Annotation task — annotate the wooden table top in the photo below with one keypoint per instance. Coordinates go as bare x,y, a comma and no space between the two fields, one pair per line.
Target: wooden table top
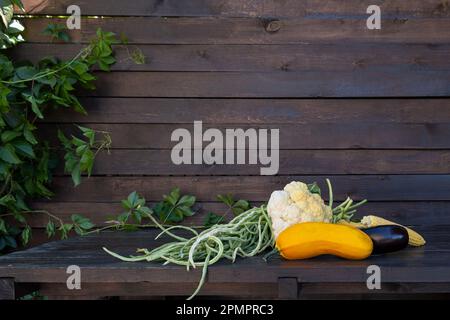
47,263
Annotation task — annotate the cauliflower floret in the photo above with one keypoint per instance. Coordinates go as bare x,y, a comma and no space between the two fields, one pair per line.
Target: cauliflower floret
279,225
292,213
279,200
298,191
296,204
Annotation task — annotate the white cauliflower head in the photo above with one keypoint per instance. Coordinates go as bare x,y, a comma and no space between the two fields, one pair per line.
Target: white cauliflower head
296,204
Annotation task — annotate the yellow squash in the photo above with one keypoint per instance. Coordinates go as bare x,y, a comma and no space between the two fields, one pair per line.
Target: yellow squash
311,239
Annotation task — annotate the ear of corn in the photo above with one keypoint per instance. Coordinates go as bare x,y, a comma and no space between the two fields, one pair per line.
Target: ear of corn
415,239
358,225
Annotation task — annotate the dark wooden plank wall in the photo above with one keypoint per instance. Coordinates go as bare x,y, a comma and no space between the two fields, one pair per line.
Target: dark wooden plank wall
369,109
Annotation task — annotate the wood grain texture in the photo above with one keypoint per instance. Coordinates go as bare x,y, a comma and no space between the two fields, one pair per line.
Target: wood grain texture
213,30
256,188
7,291
416,213
259,58
354,135
248,8
398,112
332,162
362,83
315,291
144,290
288,288
47,263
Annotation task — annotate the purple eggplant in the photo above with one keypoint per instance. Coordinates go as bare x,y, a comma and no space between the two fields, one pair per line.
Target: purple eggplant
387,238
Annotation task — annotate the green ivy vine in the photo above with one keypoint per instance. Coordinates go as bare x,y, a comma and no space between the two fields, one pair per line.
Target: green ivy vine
27,92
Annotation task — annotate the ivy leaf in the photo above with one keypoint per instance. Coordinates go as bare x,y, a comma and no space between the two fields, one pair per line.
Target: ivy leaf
145,211
314,188
134,200
8,154
3,228
25,72
212,219
237,207
9,135
79,157
186,201
184,211
135,208
87,225
25,148
26,235
123,217
76,175
227,199
79,67
88,133
50,229
34,105
57,32
175,207
63,139
240,206
65,229
29,136
81,222
7,199
173,196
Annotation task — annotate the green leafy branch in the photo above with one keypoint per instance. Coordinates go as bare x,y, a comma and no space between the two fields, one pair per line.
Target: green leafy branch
172,209
175,207
57,32
8,235
234,206
80,154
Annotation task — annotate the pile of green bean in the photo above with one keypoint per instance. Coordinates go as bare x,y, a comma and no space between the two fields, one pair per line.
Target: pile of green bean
246,235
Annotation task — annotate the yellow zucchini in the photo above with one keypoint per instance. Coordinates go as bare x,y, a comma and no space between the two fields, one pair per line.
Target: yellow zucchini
311,239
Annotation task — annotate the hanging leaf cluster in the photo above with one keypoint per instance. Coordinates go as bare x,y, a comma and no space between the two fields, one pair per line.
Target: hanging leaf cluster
27,93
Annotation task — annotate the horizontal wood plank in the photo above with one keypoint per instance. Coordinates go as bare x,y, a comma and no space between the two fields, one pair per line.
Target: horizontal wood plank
258,58
251,8
145,290
255,188
211,30
7,290
361,83
126,242
302,112
407,213
291,136
310,291
48,263
333,162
